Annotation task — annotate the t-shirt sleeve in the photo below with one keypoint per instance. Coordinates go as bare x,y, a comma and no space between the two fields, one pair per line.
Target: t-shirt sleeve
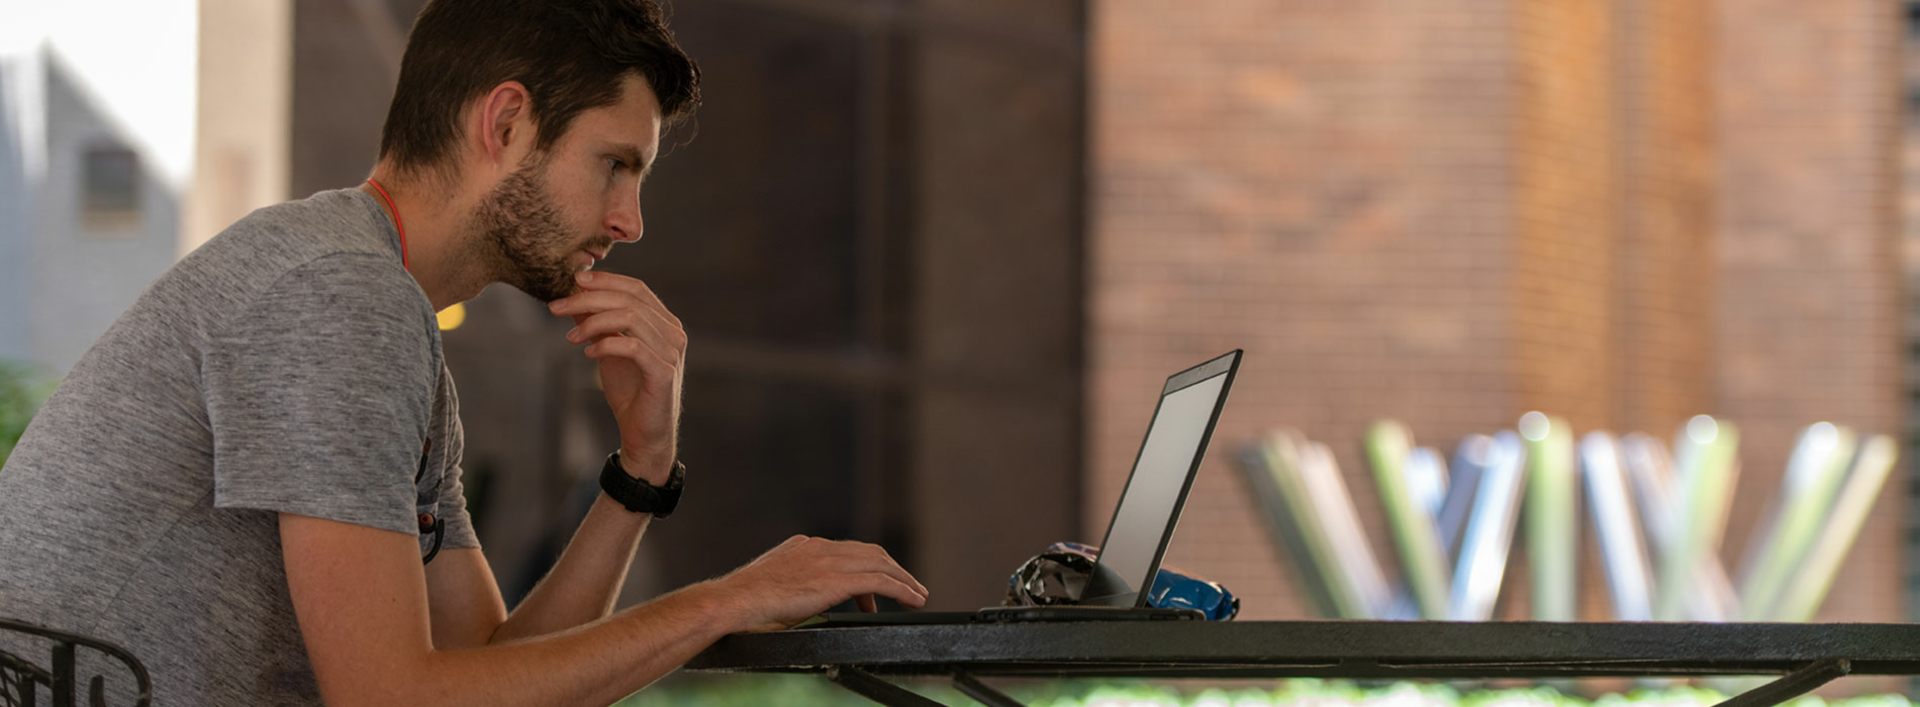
452,495
453,509
318,395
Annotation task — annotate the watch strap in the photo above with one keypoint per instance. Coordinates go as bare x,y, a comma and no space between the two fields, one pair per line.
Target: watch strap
639,496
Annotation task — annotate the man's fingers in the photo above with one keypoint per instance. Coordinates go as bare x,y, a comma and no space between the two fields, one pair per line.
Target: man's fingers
626,322
613,282
621,317
857,557
885,585
592,302
898,571
591,281
891,570
607,288
595,302
635,349
873,558
806,575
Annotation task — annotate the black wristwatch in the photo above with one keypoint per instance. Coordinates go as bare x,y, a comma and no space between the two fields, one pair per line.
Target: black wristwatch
639,496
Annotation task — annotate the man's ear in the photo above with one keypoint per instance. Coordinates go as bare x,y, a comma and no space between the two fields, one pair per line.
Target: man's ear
506,123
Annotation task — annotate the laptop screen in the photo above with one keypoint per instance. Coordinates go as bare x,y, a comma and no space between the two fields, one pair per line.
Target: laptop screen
1150,507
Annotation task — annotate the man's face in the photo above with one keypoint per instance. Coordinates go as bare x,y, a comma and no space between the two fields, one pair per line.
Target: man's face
561,210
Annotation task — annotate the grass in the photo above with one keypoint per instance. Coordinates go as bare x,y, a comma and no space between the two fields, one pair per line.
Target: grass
20,396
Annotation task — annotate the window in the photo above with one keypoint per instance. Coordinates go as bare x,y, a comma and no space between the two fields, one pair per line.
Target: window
110,189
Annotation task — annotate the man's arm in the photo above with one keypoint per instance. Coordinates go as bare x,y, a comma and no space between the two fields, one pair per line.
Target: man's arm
361,597
583,585
586,580
641,348
463,600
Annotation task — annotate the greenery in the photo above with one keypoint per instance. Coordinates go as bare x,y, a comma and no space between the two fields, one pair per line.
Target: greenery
20,396
752,690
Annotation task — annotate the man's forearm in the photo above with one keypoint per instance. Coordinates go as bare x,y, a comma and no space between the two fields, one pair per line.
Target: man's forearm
595,664
363,610
586,581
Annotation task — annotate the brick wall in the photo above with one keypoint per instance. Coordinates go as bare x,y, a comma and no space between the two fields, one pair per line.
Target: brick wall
1807,313
1450,213
1327,185
1562,271
1664,282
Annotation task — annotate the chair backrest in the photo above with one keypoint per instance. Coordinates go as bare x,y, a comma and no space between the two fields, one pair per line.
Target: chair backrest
20,678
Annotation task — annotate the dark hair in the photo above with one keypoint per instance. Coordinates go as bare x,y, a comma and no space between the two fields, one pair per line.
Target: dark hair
571,56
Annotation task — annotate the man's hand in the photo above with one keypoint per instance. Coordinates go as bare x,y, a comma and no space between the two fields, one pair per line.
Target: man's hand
642,351
804,576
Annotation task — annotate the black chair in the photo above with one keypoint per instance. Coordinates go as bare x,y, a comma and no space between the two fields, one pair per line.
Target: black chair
20,678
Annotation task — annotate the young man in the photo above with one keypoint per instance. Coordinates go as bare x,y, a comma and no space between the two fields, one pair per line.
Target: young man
240,480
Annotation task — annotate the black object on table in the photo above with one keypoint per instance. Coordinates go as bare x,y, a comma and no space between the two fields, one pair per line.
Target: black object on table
1807,655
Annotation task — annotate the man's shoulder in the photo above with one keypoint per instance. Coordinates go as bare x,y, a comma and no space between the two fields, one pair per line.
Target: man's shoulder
332,242
293,232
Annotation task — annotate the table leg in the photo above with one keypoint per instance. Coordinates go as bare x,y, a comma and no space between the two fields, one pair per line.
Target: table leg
1794,684
873,688
983,693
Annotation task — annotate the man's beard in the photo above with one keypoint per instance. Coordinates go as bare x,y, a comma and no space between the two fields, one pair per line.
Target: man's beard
531,245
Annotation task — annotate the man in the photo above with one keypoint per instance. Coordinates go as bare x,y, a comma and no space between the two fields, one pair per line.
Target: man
240,480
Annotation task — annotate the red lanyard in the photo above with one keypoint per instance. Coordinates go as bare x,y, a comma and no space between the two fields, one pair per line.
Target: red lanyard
402,228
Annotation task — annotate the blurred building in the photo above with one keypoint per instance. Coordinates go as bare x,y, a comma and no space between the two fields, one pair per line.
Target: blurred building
85,220
241,134
936,257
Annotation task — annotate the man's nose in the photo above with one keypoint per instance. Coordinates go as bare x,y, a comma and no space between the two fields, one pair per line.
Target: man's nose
624,222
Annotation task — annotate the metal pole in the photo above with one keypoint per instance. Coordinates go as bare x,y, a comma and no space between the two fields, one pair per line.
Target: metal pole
873,688
1794,684
983,693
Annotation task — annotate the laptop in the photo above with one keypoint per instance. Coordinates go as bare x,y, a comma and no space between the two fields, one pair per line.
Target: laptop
1142,523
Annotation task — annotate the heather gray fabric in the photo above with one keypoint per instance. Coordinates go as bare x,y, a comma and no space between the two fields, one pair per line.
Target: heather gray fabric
288,365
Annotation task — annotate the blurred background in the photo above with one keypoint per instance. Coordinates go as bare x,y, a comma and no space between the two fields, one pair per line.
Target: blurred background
936,257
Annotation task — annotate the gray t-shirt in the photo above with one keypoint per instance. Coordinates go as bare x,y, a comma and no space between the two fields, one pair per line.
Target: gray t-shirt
289,365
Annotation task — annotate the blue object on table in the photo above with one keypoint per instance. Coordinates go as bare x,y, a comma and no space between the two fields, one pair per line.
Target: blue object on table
1172,590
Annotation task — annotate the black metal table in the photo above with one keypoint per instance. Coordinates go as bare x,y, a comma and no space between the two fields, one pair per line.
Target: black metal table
1807,655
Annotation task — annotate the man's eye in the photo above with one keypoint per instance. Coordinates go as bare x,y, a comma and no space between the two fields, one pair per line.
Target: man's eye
614,164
